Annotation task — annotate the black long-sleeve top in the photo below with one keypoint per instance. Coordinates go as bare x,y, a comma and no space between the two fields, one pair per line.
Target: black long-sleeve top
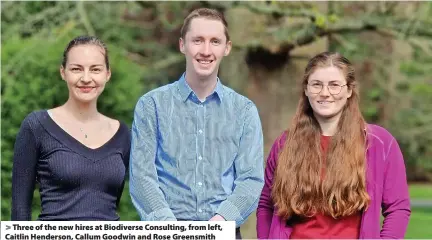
75,182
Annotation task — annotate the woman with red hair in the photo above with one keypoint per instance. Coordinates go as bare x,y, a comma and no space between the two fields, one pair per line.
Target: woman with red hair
331,174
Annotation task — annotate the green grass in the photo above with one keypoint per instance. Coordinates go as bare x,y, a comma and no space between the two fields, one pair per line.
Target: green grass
420,224
421,217
420,191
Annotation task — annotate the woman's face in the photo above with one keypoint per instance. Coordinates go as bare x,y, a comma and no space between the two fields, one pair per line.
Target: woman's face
85,72
327,92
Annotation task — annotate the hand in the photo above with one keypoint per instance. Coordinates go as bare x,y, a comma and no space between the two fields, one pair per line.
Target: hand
217,217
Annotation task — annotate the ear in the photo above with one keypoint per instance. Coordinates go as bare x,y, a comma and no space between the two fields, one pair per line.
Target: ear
182,45
228,48
62,72
108,74
306,92
349,92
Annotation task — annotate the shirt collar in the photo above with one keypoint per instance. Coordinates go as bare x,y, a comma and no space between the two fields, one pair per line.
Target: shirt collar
186,90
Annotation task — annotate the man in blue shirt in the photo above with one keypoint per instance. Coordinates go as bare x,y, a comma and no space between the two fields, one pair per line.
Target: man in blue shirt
197,145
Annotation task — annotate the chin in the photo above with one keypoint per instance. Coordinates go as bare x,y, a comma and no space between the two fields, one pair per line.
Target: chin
86,99
326,115
205,73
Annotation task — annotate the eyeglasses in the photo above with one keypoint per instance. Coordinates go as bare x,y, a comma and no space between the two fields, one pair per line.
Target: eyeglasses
333,88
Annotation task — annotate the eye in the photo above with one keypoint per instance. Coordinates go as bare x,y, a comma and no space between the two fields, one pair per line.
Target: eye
97,70
75,69
316,84
216,42
334,85
197,41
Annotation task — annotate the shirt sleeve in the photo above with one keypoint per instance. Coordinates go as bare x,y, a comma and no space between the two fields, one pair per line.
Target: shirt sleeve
249,168
26,155
395,201
146,195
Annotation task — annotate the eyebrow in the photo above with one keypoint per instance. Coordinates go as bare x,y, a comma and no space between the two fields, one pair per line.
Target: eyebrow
217,38
95,65
331,81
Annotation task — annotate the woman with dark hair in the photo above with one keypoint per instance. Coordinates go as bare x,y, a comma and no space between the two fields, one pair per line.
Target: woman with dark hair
330,174
78,156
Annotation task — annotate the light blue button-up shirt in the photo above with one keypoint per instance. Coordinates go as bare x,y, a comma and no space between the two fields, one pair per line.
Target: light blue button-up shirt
191,160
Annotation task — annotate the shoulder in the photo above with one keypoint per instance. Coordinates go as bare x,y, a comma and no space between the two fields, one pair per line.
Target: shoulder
117,125
113,123
277,147
32,125
151,99
279,143
237,101
379,135
125,130
33,119
161,91
381,140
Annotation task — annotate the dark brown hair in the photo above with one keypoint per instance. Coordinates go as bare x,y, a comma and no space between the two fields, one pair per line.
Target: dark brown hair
85,40
204,13
298,187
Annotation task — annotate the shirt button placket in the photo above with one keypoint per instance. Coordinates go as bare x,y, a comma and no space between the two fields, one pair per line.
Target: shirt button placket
200,152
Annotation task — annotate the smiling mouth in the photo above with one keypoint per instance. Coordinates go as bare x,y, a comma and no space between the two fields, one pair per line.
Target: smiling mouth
204,61
86,89
324,102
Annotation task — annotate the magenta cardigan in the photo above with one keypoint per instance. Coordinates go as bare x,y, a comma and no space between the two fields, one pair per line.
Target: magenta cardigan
386,184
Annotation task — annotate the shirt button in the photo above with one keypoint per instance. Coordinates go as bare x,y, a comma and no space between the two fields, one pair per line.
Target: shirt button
199,210
200,131
200,158
199,183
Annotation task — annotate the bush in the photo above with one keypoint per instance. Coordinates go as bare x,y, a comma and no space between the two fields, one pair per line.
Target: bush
31,81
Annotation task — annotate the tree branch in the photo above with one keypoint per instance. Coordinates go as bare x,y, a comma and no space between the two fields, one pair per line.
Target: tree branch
278,12
310,32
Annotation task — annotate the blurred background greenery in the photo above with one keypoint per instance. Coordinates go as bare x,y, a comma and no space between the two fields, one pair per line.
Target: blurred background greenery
389,43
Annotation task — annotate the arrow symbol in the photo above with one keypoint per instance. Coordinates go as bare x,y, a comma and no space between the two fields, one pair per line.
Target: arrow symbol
8,227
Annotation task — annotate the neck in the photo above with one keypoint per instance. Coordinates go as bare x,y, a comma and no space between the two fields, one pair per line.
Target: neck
202,87
81,111
328,125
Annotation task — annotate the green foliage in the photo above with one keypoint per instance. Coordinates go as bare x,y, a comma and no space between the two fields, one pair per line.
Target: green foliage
31,81
142,38
401,101
413,123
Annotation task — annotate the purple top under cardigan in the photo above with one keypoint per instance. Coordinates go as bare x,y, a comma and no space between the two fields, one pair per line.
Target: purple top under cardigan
386,184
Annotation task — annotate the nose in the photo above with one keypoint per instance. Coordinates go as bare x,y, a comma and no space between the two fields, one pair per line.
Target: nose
325,91
206,49
85,78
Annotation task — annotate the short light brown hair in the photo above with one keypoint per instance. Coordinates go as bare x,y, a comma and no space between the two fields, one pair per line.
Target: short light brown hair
204,13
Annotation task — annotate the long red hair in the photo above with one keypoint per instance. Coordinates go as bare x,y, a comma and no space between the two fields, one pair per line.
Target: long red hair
298,188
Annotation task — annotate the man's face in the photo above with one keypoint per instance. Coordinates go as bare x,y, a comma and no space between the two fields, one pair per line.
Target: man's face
204,46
